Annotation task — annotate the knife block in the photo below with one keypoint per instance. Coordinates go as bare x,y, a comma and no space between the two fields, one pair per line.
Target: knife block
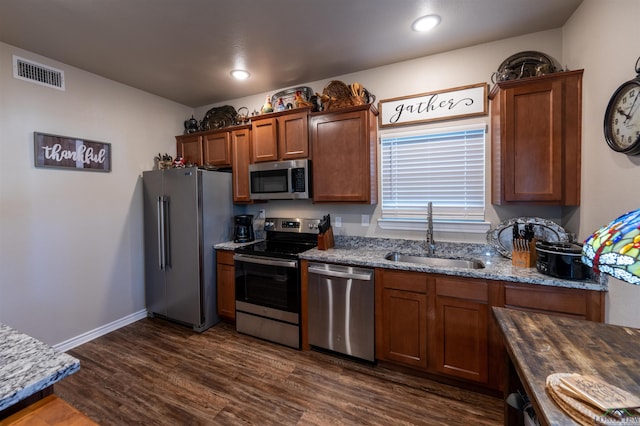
525,256
325,241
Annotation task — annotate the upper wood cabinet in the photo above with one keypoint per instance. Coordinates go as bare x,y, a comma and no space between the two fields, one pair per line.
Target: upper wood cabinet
240,155
536,140
217,149
189,147
280,136
343,152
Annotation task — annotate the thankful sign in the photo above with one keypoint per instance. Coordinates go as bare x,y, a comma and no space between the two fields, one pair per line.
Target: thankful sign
459,102
71,153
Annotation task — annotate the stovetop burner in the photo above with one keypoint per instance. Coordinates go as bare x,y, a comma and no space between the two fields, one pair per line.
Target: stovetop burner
285,238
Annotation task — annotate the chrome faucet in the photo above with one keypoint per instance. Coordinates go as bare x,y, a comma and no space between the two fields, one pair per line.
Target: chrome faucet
430,242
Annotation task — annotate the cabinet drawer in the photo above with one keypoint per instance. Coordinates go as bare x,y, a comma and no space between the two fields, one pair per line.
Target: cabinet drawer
225,257
467,288
564,301
407,281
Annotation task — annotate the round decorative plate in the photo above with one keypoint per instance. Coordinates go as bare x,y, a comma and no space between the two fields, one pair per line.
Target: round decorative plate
525,64
501,237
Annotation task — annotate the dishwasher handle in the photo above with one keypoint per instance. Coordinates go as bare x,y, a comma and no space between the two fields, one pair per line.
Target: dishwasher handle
350,273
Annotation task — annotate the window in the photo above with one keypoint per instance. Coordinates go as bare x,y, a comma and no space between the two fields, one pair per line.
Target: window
444,166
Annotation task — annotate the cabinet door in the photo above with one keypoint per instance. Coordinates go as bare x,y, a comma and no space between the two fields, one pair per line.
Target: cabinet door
240,154
533,142
344,157
217,149
189,147
264,133
462,334
226,285
536,140
293,136
405,327
401,325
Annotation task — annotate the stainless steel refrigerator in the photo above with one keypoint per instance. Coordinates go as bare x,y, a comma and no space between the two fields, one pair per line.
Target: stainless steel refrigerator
186,212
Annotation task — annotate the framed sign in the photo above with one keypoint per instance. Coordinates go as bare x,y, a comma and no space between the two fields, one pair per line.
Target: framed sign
64,152
459,102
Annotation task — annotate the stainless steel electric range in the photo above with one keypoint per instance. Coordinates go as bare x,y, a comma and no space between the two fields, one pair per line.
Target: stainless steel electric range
268,280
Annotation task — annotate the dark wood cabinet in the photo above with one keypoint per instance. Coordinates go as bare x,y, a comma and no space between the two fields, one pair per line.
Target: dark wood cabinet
402,317
240,154
189,147
217,149
461,347
343,151
226,285
442,324
280,136
536,140
570,302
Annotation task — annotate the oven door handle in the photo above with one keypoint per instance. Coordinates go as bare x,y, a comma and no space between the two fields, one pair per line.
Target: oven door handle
265,261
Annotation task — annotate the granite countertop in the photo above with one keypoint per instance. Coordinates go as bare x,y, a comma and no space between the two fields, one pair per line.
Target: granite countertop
367,251
360,251
28,366
230,245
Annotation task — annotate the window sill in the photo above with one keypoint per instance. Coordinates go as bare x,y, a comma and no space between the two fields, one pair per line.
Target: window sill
471,227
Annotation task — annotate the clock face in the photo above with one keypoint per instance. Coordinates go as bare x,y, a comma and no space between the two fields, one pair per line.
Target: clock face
622,119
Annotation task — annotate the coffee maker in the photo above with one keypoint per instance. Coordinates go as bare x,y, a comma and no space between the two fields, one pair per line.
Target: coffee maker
243,228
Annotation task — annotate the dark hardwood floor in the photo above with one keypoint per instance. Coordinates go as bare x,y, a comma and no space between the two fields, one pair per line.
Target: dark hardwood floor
153,372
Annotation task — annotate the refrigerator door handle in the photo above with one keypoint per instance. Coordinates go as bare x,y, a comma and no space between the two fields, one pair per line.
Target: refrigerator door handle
166,219
161,240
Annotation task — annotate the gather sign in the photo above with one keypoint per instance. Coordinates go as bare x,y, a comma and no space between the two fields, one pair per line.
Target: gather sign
455,103
71,153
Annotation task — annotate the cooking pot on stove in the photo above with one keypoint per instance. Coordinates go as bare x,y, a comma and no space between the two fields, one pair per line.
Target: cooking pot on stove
561,260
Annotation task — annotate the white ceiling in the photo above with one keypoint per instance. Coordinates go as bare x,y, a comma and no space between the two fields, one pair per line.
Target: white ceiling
183,50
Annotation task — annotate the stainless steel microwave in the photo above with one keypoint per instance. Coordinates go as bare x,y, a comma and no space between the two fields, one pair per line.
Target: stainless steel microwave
280,180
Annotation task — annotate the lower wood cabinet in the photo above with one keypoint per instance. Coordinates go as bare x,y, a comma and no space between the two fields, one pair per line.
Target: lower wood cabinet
443,325
226,285
402,311
461,328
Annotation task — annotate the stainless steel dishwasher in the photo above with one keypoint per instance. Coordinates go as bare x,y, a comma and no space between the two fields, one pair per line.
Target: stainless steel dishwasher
341,309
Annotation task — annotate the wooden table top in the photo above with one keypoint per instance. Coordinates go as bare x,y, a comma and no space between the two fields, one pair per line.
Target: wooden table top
540,344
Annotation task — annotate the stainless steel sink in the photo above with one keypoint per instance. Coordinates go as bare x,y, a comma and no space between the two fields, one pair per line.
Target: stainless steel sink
435,261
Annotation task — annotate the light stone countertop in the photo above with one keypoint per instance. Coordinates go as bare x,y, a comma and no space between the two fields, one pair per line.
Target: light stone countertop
370,252
28,366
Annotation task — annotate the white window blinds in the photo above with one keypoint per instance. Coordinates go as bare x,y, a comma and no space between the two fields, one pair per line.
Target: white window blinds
444,167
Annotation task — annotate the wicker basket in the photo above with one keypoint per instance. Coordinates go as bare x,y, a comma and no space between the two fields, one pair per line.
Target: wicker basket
338,95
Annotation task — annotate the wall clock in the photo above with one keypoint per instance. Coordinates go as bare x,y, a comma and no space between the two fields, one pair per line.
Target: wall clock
622,118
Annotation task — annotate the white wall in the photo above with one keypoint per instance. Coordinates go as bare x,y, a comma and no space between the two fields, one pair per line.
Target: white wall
71,252
452,69
602,38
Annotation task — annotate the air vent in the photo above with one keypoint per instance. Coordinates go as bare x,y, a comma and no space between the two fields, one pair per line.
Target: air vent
34,72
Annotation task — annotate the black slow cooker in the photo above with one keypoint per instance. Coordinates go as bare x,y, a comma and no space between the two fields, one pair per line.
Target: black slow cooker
561,260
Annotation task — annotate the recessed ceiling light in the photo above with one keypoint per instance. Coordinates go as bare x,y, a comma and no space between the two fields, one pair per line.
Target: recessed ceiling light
425,23
240,74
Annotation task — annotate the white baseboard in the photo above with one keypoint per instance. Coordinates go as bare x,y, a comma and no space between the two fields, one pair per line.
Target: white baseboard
100,331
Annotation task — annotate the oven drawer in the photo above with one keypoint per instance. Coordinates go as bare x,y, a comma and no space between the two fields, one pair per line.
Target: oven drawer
268,329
